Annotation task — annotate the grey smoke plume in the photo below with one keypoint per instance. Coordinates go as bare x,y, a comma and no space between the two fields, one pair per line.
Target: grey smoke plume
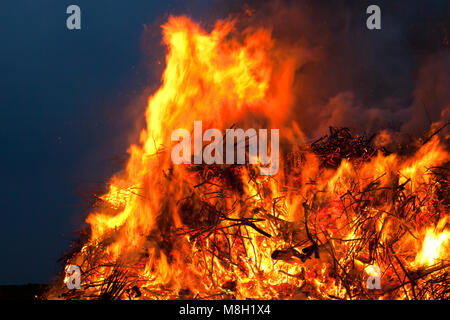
396,78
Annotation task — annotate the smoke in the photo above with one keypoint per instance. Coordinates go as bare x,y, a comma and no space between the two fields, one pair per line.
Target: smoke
431,94
395,79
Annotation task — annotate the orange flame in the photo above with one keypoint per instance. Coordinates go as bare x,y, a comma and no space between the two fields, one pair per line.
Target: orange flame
221,78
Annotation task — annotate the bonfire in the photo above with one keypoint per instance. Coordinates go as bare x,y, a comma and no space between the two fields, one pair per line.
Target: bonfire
344,218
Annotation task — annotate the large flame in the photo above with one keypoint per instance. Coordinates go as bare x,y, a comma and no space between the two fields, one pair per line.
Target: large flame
157,222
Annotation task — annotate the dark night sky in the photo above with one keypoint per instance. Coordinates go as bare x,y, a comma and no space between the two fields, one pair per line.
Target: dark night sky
69,102
62,99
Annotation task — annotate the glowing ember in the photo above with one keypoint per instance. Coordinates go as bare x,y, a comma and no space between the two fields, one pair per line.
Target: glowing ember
435,245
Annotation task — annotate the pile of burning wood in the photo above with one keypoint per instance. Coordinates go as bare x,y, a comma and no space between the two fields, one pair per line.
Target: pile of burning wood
341,218
238,236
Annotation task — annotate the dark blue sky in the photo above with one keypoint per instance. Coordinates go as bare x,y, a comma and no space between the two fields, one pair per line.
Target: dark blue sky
63,100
